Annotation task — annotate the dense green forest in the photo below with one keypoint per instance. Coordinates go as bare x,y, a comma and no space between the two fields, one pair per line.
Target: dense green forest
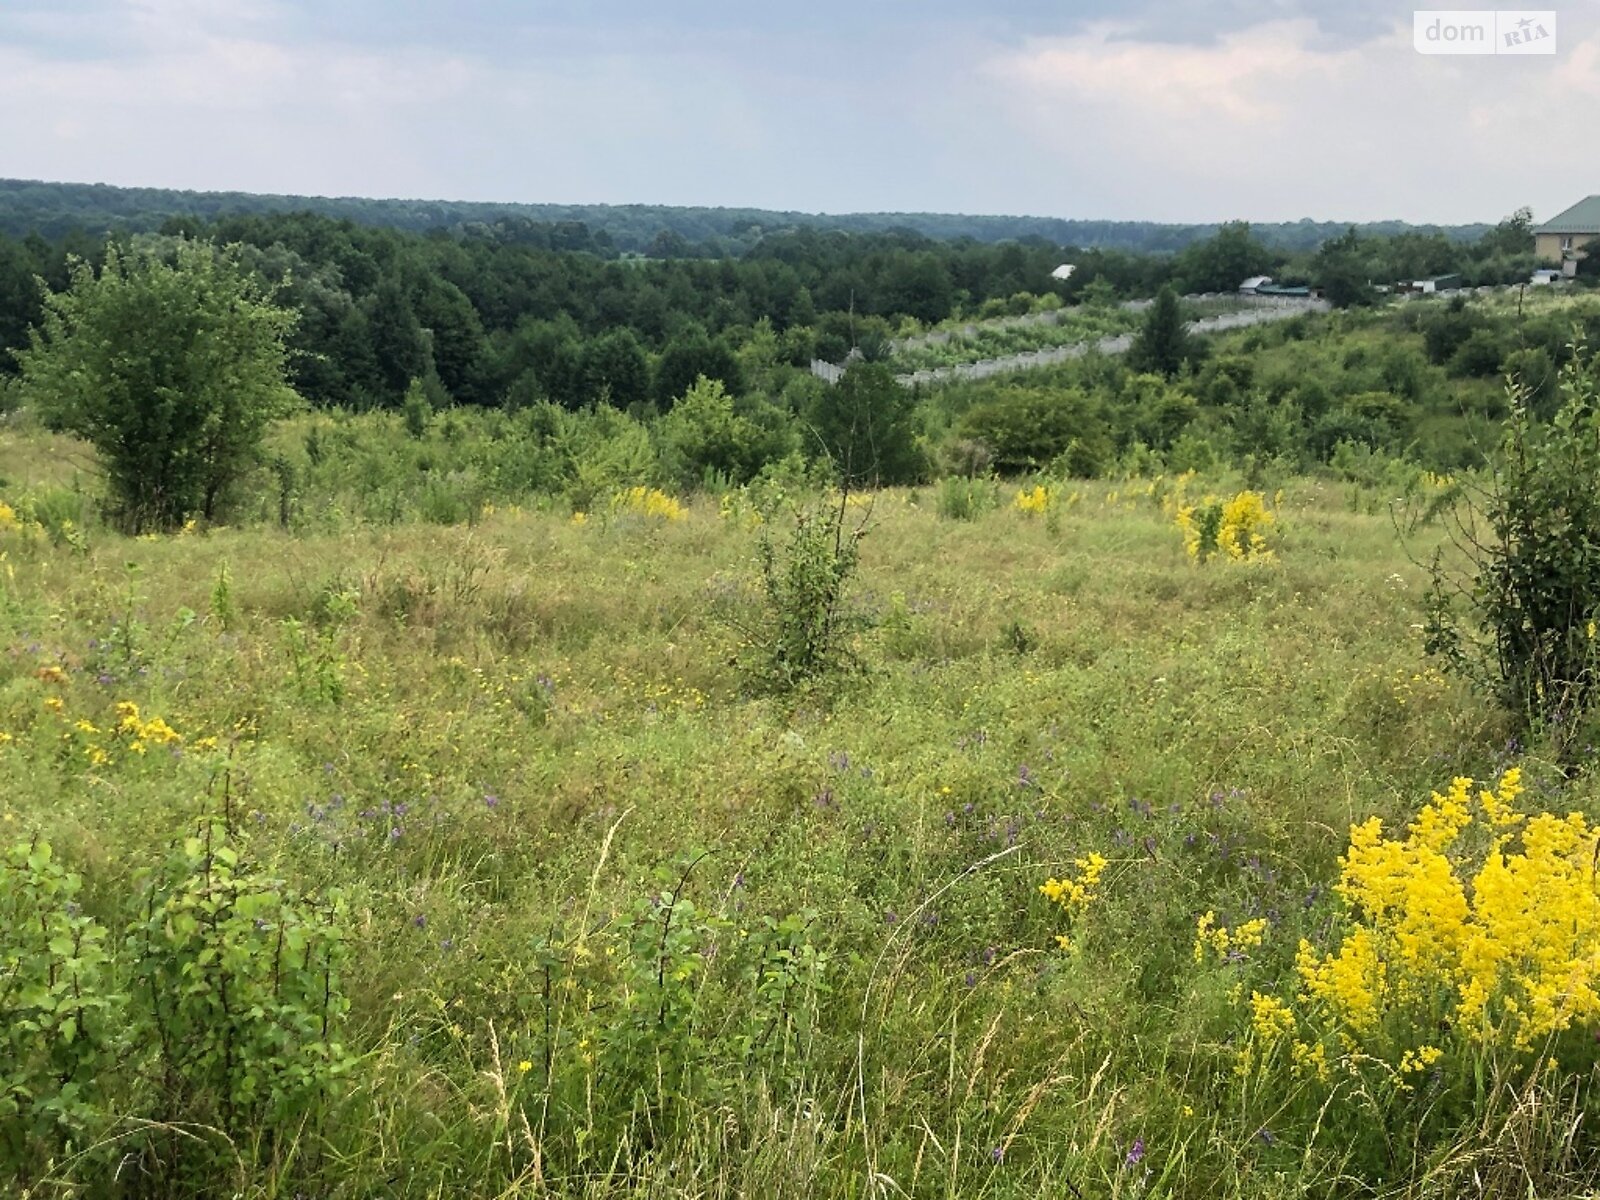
520,311
660,231
689,372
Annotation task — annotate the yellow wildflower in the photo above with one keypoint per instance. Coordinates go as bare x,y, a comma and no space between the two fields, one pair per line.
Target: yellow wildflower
1209,936
1035,501
1310,1059
1495,937
1236,528
1076,893
1420,1059
650,503
1270,1017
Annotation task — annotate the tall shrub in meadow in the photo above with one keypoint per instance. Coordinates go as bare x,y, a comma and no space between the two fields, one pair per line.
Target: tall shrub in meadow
1519,616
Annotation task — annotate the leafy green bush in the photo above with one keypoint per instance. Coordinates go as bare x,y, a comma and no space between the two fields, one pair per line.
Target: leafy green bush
1479,356
1519,616
61,1028
179,413
804,630
866,426
962,499
207,1036
705,435
1445,331
1026,429
239,976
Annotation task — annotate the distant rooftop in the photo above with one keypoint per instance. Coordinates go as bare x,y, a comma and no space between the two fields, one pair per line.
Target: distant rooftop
1582,217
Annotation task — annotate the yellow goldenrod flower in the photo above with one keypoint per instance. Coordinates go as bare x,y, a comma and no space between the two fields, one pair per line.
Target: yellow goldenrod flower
1496,937
1075,893
1236,528
1035,501
1310,1059
1270,1017
650,503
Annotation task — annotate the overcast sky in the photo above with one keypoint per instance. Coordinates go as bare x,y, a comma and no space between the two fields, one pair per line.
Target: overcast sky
1135,109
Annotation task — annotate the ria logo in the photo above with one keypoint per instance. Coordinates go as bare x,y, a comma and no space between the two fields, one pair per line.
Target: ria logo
1483,31
1526,32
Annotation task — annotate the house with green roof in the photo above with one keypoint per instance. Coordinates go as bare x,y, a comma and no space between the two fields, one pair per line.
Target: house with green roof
1563,237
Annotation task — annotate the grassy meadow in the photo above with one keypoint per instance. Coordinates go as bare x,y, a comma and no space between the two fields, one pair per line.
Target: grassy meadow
613,920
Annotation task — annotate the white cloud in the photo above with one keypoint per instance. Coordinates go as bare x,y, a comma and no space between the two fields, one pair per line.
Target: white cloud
197,100
1272,122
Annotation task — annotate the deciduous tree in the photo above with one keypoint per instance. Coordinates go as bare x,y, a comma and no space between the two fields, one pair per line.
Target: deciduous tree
171,366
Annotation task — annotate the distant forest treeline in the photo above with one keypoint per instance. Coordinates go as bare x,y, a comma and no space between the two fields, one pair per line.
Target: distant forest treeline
658,231
520,311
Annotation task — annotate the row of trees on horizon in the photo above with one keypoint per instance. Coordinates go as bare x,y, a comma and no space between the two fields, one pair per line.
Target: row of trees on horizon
613,230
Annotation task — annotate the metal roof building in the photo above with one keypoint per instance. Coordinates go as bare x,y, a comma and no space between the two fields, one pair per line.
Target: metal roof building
1582,217
1563,236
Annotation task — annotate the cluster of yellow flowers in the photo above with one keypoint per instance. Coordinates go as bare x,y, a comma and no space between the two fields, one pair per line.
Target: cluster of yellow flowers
1035,501
1211,938
1481,919
133,731
13,523
1075,894
1236,528
1424,686
141,731
1270,1017
651,503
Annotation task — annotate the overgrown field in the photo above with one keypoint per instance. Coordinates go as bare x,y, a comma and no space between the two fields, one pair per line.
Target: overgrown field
522,886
